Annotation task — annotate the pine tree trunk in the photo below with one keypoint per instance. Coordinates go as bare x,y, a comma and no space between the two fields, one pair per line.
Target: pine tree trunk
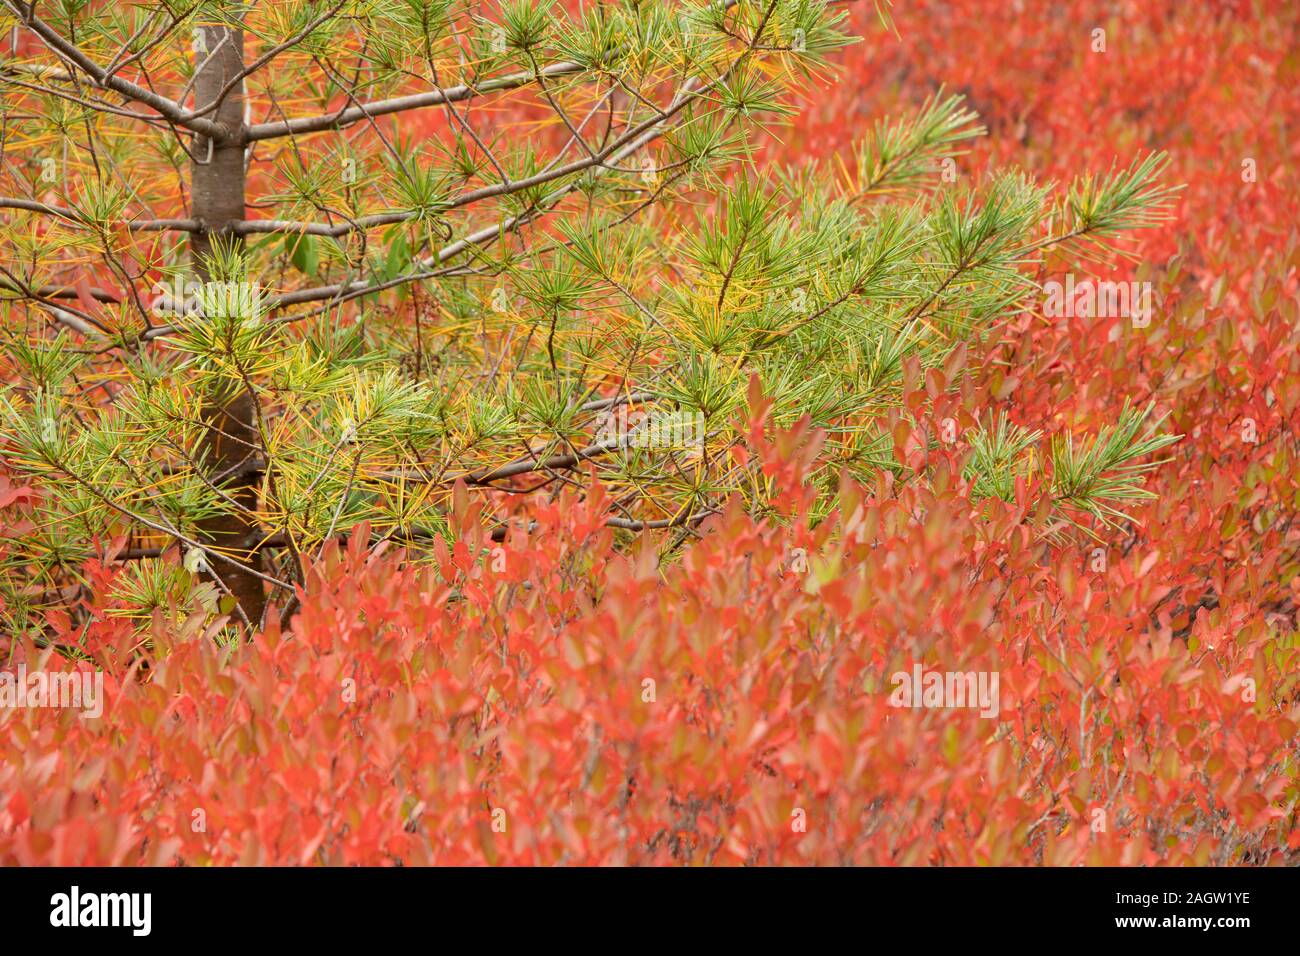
217,190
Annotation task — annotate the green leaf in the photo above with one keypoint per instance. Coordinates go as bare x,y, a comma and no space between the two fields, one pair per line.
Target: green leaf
303,253
399,255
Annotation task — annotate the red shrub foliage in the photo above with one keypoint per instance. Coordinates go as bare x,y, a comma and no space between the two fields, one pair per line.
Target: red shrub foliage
550,700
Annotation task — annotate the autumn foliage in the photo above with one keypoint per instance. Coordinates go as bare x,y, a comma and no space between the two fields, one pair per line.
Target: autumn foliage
564,696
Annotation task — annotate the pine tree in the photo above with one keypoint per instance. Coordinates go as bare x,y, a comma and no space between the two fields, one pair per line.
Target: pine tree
250,302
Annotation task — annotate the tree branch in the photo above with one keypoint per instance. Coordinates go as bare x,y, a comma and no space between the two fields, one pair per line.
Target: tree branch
104,80
355,114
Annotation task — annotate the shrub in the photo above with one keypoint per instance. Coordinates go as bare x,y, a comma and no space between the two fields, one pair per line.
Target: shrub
553,700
